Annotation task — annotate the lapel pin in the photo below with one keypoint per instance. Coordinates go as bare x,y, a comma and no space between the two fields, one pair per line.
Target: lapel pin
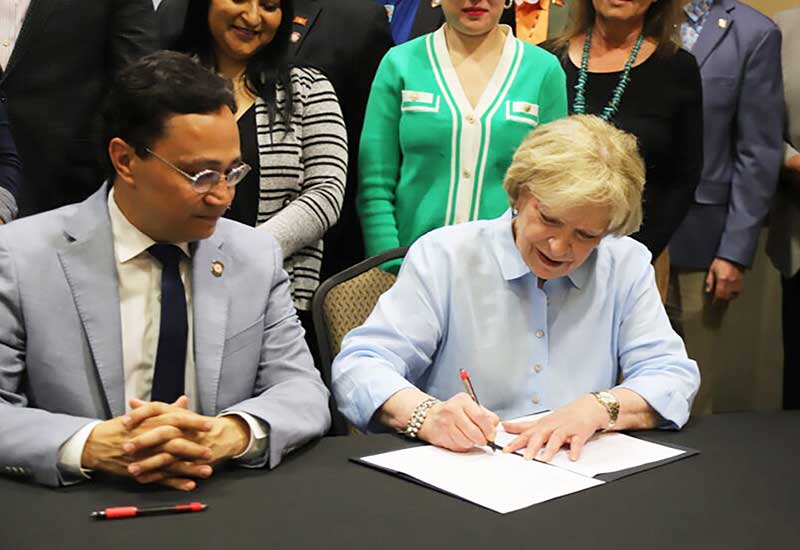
723,23
295,37
217,268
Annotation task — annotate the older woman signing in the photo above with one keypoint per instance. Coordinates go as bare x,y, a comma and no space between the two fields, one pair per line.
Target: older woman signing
547,307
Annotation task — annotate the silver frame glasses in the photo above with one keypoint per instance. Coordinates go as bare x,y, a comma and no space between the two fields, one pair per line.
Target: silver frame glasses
232,176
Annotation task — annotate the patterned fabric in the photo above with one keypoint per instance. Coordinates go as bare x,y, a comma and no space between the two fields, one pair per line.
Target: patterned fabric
302,172
532,17
348,304
696,15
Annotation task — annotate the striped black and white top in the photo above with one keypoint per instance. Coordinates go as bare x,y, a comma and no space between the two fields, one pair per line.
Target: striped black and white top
302,173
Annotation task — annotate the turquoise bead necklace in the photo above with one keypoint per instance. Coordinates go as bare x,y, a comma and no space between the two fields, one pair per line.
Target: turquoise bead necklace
579,105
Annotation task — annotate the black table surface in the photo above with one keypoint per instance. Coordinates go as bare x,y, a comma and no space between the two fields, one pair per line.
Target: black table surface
740,492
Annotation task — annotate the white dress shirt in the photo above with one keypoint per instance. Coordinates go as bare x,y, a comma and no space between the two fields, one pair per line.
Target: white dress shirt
12,15
139,280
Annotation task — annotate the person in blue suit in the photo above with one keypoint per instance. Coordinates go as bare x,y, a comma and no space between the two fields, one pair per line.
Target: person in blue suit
738,52
141,334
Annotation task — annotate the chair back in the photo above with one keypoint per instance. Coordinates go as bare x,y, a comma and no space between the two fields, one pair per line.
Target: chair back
343,303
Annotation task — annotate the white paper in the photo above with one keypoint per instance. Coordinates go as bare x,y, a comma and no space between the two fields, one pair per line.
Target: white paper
603,453
502,483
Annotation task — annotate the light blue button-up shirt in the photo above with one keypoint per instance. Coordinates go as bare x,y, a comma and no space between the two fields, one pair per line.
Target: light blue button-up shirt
465,298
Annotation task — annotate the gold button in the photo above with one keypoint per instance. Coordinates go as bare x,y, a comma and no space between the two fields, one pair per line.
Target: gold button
467,174
414,97
535,399
539,333
527,108
470,119
6,43
537,368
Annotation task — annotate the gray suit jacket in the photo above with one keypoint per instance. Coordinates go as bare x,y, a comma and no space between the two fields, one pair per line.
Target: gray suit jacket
61,342
738,53
783,244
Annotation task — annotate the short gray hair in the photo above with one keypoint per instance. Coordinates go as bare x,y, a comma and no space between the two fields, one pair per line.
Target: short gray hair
581,160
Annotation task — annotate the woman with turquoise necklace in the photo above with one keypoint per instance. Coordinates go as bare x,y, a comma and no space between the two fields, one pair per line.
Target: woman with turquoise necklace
623,64
446,113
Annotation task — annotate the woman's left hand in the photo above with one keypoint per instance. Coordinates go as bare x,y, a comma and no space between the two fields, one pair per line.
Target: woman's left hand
572,425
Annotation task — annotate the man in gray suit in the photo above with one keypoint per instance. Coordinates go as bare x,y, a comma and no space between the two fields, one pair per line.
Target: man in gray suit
143,294
783,244
738,52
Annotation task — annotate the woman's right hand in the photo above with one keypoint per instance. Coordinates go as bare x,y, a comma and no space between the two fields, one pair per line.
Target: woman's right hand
459,424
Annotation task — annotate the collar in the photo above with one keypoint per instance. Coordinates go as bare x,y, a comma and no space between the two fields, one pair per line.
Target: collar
698,9
129,241
513,266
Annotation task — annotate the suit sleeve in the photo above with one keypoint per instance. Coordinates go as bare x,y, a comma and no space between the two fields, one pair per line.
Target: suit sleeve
289,394
10,170
758,150
379,161
30,438
133,32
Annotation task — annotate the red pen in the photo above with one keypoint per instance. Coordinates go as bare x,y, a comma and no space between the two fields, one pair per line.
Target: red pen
471,392
135,511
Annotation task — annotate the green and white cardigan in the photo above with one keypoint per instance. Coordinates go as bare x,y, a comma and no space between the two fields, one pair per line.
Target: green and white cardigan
427,157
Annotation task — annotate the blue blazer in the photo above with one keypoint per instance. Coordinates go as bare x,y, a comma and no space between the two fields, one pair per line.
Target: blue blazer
61,338
738,53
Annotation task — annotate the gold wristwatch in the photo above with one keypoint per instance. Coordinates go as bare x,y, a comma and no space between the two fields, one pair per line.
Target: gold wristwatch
611,405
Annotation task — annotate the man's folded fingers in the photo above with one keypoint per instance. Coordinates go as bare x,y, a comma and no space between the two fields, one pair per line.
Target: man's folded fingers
152,438
187,449
150,464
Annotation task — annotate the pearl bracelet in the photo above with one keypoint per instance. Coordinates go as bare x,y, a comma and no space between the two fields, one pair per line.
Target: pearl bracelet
418,416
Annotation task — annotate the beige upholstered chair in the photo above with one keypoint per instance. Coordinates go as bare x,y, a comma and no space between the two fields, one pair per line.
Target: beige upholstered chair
344,302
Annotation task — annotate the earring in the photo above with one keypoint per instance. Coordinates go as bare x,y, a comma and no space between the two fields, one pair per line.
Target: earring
508,4
436,3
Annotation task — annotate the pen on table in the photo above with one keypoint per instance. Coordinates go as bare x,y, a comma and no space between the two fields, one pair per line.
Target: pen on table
471,392
135,511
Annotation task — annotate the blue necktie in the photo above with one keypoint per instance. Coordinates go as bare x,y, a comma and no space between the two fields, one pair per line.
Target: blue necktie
171,355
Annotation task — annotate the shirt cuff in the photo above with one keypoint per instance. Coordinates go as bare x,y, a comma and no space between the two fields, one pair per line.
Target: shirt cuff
253,455
69,456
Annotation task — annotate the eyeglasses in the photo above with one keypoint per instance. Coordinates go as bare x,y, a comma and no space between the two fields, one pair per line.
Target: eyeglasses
205,180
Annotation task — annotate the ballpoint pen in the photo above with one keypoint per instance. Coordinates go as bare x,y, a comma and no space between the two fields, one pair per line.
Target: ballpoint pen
135,511
471,392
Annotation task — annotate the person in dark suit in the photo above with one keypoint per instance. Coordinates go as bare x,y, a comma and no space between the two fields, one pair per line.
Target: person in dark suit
62,58
349,60
10,170
738,51
170,16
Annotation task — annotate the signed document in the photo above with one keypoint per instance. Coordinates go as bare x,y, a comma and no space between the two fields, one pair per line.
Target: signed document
505,482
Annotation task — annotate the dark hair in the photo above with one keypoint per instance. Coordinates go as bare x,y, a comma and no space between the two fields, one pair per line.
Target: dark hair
660,24
268,67
148,91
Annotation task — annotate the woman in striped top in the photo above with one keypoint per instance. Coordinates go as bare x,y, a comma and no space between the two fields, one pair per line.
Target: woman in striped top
290,126
445,115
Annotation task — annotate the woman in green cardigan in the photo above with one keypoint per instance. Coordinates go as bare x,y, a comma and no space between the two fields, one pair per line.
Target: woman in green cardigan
445,115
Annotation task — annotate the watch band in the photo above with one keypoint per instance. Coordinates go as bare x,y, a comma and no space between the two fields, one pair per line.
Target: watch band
611,404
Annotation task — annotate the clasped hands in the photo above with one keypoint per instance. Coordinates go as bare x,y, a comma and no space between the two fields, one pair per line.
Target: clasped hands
459,424
164,443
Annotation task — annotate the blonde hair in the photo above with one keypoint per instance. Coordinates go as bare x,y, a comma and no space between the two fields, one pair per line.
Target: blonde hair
577,161
661,23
